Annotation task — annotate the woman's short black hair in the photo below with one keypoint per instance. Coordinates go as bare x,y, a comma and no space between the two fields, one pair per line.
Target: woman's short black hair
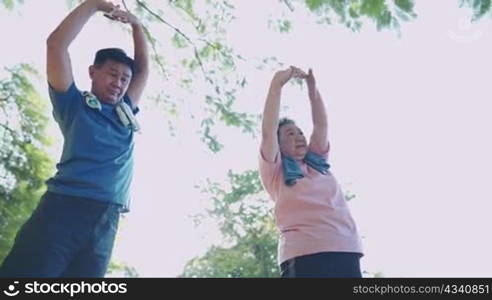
282,122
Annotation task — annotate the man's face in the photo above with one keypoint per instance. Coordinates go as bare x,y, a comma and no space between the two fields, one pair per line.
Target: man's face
292,141
110,80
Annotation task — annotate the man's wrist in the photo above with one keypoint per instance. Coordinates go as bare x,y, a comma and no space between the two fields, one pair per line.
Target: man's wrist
136,25
101,6
96,4
276,85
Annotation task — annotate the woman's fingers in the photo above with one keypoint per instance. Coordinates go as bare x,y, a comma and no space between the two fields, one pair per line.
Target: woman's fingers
298,73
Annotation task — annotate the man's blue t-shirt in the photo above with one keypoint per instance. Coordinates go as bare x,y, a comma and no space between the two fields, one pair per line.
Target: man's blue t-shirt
97,158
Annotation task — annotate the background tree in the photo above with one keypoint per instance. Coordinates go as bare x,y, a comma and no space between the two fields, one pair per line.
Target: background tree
385,14
245,218
24,162
119,269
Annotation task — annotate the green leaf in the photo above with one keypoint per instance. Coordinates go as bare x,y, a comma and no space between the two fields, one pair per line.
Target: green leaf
314,4
179,41
405,5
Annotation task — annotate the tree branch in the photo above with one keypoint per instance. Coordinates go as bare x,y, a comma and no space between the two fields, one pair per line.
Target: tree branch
216,48
152,43
12,132
197,56
289,5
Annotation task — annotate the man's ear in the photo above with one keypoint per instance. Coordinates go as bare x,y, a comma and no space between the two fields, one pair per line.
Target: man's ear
92,70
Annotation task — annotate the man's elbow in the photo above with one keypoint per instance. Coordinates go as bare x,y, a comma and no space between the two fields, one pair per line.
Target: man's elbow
53,43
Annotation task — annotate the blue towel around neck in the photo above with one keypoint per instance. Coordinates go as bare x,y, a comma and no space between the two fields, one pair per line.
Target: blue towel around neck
292,171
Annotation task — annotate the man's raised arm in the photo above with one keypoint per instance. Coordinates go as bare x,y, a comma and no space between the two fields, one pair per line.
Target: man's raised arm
59,69
141,56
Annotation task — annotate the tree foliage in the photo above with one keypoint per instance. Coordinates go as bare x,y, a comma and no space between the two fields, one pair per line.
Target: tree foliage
206,69
119,269
24,163
9,4
385,14
480,7
202,65
245,217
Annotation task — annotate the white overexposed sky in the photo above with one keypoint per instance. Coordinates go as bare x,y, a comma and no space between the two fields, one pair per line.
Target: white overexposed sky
409,118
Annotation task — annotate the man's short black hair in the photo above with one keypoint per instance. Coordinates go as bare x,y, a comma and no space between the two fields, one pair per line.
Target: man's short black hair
115,54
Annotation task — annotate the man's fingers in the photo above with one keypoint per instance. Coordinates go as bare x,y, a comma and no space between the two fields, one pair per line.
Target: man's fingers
112,8
125,16
109,16
117,14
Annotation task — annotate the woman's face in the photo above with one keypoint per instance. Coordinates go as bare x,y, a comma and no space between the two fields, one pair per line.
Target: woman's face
292,141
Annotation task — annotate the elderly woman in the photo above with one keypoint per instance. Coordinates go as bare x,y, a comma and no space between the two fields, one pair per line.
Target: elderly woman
318,236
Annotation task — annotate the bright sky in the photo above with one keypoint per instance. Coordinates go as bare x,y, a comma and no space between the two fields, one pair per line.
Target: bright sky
408,119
